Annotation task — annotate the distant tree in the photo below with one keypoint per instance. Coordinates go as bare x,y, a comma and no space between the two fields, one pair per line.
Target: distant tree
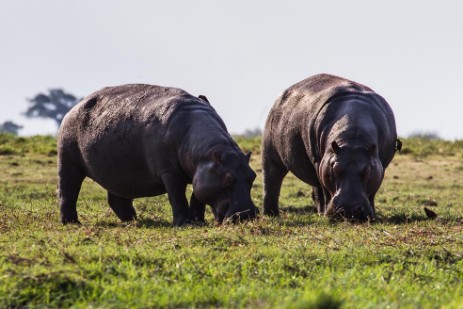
425,135
10,127
54,105
252,132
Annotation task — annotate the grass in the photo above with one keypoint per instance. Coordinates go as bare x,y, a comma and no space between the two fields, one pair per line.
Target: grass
299,260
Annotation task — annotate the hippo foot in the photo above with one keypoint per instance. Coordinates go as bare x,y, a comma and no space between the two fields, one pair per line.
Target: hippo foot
189,222
128,218
194,218
180,221
66,221
197,222
271,213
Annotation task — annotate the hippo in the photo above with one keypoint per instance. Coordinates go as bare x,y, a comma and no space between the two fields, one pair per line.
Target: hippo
141,140
334,134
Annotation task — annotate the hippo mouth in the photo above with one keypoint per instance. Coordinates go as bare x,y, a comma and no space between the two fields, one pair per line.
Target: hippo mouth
354,214
219,220
236,216
239,216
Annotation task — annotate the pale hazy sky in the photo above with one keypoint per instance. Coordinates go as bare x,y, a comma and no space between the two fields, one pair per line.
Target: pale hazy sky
241,54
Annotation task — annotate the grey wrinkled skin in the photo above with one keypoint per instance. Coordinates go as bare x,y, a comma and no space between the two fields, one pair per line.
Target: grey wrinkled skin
143,140
337,136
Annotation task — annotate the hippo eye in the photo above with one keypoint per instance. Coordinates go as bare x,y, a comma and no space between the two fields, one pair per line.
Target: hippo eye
228,180
338,169
365,172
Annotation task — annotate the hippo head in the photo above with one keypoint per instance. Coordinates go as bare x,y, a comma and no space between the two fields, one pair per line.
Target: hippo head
351,175
223,180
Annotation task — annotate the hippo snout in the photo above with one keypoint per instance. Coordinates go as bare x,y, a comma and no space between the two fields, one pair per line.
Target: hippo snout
351,211
360,212
236,216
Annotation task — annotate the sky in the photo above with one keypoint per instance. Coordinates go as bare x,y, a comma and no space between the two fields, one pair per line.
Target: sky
241,54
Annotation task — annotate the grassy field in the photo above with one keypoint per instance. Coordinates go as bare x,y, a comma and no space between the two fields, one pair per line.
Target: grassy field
299,260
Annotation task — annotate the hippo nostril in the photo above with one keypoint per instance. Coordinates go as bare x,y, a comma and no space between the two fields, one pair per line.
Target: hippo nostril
243,215
362,213
350,211
358,212
336,212
220,219
249,213
239,216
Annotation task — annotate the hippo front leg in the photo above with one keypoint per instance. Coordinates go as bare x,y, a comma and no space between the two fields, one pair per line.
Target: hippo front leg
318,199
175,187
372,204
197,209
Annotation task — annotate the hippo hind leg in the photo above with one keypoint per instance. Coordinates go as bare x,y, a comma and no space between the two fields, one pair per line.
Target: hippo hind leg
122,207
70,179
273,178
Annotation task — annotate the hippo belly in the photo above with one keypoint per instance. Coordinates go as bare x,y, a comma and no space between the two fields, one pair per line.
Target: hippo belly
123,171
127,180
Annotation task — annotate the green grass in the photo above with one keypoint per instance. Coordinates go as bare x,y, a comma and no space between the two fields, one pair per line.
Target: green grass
299,260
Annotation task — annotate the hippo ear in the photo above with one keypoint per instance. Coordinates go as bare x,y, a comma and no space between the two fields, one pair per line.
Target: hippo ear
203,97
248,155
398,145
335,147
372,149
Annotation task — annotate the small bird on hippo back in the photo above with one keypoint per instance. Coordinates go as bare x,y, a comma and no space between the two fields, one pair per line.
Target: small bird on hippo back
334,134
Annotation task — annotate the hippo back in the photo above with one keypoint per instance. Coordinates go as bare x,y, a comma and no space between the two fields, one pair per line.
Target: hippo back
133,104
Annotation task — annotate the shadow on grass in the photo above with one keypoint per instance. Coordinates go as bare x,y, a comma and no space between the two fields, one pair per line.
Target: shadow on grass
299,210
401,218
150,223
143,222
398,218
405,219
